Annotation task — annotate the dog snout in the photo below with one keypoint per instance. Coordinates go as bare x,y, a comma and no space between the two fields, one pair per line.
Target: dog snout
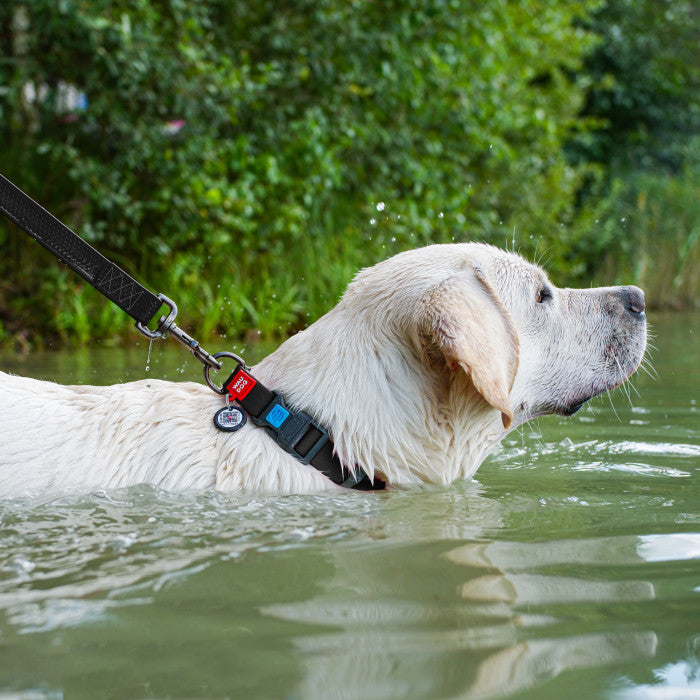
633,300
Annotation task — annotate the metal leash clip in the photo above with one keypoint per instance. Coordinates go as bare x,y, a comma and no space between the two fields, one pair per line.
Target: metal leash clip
166,325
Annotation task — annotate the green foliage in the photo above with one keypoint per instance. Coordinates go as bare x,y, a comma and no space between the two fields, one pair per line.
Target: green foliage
651,222
642,214
320,136
646,83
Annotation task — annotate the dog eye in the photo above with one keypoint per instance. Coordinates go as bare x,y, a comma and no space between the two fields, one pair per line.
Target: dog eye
543,294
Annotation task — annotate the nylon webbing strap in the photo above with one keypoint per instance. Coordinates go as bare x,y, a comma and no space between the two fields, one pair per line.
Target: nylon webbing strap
109,279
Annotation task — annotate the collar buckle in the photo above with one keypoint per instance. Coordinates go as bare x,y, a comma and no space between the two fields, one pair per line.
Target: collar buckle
294,431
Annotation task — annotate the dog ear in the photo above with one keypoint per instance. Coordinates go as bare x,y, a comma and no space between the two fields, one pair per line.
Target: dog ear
472,328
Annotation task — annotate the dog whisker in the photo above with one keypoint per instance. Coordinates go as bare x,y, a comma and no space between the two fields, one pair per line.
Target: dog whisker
612,405
647,367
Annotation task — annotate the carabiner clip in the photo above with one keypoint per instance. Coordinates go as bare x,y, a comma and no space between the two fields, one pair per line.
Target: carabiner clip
166,324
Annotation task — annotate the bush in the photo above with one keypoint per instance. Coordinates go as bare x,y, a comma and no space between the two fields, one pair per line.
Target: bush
645,84
319,136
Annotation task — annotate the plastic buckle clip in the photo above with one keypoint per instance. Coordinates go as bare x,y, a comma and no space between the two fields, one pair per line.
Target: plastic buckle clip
289,428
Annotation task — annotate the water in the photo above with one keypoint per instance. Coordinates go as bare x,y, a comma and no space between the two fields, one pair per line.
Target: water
571,568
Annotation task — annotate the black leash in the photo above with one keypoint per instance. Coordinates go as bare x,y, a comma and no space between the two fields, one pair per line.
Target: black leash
109,279
294,431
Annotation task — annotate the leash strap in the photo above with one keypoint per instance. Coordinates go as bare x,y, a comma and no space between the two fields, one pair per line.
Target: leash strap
109,279
295,431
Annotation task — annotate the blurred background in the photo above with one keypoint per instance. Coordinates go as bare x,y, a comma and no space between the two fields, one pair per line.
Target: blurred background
246,158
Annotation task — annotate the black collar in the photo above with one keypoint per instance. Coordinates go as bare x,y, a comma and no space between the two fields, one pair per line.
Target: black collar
294,431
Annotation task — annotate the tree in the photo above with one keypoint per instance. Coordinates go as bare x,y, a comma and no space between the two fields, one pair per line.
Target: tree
646,83
319,136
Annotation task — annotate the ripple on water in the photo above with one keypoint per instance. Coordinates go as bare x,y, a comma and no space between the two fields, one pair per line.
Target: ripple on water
73,559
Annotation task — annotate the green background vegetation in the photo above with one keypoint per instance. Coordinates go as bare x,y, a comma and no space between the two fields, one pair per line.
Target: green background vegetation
324,135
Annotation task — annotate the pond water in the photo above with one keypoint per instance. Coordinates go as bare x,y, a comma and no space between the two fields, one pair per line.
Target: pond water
569,568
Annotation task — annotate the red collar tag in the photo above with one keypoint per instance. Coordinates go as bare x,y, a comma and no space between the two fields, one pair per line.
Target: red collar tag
239,385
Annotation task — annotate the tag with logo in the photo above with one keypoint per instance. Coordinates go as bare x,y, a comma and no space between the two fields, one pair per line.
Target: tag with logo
229,418
239,385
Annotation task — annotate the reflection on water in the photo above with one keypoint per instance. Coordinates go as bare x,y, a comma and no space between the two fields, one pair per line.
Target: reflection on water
571,568
502,628
407,595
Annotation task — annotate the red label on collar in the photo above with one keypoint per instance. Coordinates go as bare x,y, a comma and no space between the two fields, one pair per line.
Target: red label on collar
240,385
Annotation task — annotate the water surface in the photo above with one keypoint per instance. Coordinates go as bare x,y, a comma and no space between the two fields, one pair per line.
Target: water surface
570,568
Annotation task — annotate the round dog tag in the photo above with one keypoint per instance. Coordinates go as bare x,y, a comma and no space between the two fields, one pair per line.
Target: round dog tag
229,418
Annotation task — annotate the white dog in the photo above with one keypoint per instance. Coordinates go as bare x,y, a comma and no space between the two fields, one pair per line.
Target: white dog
426,363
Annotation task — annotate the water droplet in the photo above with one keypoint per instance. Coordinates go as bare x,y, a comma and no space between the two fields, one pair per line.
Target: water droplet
24,565
380,206
372,221
148,358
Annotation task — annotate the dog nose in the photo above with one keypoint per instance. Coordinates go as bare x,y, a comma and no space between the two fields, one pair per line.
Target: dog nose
633,300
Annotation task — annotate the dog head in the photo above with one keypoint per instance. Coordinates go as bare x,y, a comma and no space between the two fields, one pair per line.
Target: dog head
527,347
432,355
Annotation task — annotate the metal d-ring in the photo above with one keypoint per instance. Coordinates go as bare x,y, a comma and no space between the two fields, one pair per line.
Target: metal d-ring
207,368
